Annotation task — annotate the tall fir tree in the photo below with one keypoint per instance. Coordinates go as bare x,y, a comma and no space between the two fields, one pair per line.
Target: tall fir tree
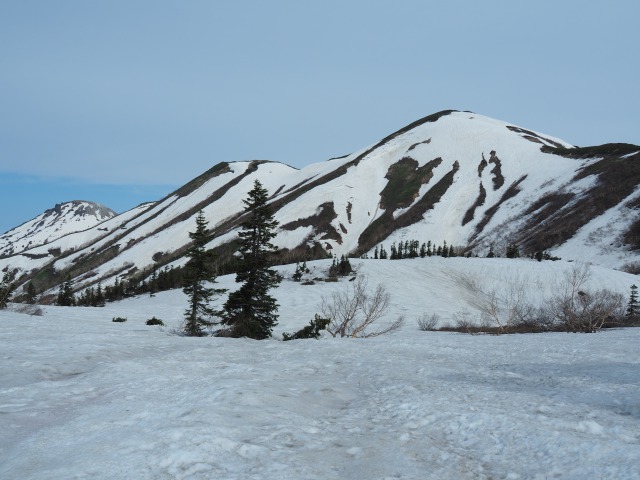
31,295
250,311
633,306
198,271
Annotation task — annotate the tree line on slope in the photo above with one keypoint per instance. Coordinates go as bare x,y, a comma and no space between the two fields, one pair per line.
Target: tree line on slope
414,249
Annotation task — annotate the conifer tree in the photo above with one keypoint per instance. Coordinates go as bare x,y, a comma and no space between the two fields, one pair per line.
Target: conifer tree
31,295
66,298
423,250
198,271
250,311
6,290
633,307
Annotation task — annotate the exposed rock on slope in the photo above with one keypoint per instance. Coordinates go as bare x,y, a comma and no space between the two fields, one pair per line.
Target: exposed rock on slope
453,176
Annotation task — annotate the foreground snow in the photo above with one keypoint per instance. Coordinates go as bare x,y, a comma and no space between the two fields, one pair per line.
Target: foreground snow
83,397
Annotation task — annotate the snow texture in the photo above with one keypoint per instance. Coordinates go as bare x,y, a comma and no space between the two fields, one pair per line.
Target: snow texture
84,397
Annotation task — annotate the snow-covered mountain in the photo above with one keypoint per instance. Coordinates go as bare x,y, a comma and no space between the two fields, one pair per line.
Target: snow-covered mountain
61,220
458,177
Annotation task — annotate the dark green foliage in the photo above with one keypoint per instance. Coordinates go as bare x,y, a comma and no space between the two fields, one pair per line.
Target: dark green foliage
491,253
197,272
310,331
297,276
6,289
413,249
119,319
31,294
341,268
250,311
543,255
91,297
513,251
66,298
155,321
633,307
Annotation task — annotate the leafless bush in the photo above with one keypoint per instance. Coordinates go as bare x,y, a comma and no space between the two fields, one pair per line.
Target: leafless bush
428,323
27,309
631,267
354,311
576,309
463,322
499,309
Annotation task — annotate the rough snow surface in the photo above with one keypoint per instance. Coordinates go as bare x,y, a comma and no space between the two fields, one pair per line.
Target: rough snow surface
83,397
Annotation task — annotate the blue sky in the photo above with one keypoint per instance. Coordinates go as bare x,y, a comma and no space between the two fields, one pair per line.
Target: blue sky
122,101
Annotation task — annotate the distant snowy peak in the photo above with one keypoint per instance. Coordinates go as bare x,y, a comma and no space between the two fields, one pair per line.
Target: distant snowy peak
54,223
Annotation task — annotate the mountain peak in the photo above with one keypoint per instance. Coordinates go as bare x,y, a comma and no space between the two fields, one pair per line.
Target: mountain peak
63,219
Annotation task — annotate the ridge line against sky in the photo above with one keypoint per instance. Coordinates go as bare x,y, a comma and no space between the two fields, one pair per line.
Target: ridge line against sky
120,102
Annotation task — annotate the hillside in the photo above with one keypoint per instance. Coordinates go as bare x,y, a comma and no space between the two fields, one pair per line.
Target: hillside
454,177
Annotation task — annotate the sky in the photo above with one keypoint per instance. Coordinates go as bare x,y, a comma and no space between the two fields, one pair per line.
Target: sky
122,102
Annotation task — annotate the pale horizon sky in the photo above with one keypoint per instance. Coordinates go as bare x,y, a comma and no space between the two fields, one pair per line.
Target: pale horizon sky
122,102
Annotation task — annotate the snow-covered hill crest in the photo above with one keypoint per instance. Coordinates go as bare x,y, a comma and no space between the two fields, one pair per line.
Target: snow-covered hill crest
455,177
63,219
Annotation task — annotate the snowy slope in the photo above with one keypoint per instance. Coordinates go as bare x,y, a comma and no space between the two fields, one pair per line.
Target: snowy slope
63,219
83,397
458,177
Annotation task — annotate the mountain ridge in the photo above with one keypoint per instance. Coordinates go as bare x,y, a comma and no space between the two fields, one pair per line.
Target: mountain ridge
452,176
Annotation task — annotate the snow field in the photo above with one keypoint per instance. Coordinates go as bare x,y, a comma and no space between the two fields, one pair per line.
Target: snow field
83,397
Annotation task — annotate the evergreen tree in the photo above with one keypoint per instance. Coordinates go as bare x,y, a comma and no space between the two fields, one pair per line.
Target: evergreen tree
423,250
297,276
383,253
197,272
491,253
6,289
153,282
31,295
99,298
250,311
66,298
342,268
633,307
513,251
375,253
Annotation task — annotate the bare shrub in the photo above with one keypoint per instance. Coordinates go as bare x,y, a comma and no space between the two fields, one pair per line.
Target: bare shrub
463,322
631,267
27,309
354,311
500,310
428,323
576,309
